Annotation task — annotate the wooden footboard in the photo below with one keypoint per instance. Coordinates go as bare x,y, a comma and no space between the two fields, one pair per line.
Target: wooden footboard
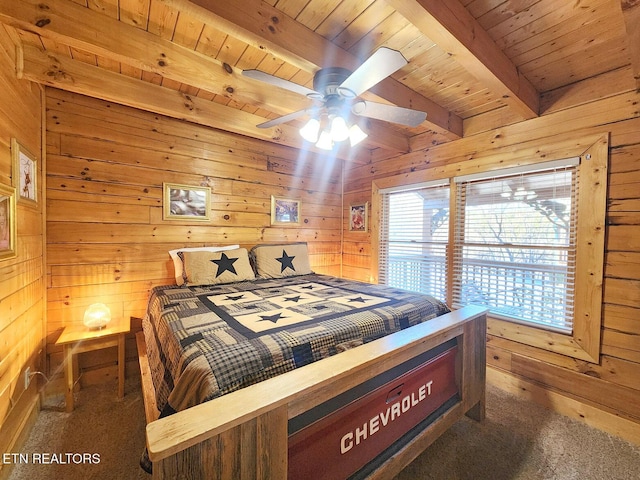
243,435
148,391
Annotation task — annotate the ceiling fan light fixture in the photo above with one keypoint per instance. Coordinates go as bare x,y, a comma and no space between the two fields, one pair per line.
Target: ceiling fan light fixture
356,135
339,129
335,129
336,91
311,130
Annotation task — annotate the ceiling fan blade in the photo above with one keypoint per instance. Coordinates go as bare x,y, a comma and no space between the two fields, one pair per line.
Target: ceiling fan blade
278,82
377,67
389,113
283,119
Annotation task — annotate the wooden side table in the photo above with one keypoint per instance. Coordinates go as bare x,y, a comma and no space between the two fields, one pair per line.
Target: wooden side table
79,338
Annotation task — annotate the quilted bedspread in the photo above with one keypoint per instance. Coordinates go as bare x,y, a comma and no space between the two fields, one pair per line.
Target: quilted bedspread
206,341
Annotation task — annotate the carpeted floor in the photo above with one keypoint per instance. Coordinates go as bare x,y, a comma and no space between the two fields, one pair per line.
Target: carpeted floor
518,440
100,425
522,440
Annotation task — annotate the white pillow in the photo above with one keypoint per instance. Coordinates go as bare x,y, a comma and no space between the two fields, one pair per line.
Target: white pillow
178,266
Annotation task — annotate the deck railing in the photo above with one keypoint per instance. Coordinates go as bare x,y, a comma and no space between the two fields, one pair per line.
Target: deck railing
523,292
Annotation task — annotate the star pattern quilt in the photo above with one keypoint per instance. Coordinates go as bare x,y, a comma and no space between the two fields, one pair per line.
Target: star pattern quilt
208,340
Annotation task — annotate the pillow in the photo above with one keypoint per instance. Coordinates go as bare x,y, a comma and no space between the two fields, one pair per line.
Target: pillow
178,268
211,268
277,261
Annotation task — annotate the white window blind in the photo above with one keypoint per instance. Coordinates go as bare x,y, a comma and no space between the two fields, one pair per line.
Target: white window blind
515,245
413,238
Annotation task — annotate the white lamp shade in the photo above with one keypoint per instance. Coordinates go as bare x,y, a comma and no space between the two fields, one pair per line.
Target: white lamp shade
356,134
324,141
339,129
311,130
97,315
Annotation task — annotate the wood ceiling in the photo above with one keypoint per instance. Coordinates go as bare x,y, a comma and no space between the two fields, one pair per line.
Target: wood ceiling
471,62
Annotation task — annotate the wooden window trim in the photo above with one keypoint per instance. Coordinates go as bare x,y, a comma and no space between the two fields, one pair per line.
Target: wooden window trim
584,342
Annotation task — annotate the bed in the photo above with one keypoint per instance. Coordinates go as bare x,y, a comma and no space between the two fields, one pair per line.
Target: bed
253,366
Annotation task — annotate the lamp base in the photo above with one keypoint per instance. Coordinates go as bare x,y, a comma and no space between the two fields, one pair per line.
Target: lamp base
96,325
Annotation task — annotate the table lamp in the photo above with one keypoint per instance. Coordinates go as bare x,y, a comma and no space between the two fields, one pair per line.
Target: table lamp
96,316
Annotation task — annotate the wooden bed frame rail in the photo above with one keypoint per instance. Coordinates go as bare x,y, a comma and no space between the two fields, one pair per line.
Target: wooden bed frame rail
243,435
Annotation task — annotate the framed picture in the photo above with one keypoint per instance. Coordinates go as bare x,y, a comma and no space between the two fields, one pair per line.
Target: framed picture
7,222
285,211
184,202
25,174
358,217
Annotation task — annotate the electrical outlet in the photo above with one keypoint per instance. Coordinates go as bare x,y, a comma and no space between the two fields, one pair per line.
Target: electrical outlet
27,377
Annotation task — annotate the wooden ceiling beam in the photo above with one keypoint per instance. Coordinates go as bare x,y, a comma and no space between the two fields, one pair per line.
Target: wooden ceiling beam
267,28
631,12
67,74
458,33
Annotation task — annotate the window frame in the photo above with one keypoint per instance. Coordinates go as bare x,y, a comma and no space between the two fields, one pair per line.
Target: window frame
386,193
466,184
584,342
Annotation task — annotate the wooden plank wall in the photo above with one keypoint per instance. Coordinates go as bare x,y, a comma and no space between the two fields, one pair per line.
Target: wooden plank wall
22,277
106,239
602,392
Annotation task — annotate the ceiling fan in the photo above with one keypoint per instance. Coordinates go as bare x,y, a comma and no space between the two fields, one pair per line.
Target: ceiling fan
335,94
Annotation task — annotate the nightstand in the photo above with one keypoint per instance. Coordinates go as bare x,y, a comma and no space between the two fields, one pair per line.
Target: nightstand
78,339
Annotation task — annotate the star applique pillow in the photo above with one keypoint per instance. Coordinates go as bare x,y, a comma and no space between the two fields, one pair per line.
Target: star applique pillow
277,261
211,268
177,256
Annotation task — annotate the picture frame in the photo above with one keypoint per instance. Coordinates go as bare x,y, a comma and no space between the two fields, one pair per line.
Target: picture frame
285,211
359,217
24,174
186,202
7,222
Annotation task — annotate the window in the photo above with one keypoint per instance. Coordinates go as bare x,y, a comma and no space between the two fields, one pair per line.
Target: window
515,243
414,234
541,277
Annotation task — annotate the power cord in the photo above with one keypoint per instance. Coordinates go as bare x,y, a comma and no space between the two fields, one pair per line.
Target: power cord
33,374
